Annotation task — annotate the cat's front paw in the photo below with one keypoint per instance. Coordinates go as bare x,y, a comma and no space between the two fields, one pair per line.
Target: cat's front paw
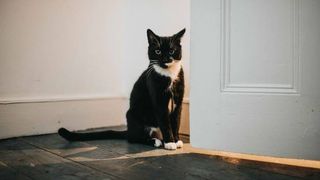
170,146
179,144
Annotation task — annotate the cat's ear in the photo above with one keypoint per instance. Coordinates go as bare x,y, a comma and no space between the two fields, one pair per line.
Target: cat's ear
179,35
152,37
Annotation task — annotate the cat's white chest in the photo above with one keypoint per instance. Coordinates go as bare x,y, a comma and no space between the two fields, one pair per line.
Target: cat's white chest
172,71
171,105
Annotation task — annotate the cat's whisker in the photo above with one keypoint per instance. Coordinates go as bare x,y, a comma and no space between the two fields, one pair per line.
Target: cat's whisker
150,67
149,72
152,64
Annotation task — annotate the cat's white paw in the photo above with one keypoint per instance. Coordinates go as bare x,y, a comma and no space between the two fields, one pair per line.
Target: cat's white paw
157,142
170,146
179,144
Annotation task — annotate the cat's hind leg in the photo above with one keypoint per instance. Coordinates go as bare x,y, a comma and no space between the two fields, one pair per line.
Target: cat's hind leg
155,136
144,135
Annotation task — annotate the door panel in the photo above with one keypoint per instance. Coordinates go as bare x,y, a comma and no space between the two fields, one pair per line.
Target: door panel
260,45
255,68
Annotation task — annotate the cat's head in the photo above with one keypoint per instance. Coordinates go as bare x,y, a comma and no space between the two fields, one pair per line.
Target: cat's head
164,51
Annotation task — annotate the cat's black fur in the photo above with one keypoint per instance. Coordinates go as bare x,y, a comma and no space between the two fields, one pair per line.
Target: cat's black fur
155,101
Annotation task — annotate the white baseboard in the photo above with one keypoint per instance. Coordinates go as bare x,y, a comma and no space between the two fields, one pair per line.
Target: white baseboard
22,119
59,98
43,116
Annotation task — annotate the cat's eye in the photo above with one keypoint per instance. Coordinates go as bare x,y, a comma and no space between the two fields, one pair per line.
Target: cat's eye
157,51
171,52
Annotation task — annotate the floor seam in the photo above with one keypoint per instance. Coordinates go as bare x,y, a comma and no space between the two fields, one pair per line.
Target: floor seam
90,167
22,173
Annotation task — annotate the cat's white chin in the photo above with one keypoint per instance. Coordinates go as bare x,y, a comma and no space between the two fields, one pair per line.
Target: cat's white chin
171,71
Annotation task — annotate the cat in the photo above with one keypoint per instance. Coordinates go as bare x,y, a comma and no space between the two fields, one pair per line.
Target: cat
154,114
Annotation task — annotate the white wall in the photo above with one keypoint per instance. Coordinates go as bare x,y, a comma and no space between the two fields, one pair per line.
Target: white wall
60,49
67,54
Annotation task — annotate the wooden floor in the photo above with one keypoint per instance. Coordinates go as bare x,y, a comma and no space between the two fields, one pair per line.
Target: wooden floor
51,157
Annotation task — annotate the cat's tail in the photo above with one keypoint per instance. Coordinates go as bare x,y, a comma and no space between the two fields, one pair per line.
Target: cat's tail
75,136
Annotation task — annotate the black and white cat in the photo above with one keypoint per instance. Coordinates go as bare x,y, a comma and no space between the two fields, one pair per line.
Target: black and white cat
155,101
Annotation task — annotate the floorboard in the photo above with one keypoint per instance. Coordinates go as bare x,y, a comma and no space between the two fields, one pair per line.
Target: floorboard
28,162
52,157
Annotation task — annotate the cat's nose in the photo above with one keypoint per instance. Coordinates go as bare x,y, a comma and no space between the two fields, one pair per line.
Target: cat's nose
167,61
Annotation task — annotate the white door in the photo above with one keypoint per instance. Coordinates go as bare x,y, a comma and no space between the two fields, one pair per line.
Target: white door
255,76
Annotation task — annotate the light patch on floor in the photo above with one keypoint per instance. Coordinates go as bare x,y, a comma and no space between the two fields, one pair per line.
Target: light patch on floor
187,148
286,161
